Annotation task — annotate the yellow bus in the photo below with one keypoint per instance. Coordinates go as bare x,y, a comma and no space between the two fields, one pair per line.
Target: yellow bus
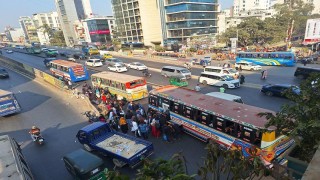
126,86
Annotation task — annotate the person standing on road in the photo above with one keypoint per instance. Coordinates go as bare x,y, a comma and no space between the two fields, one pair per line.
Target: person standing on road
143,128
242,78
264,74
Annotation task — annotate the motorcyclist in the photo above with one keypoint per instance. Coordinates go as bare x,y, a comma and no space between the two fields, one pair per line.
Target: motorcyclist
145,72
34,132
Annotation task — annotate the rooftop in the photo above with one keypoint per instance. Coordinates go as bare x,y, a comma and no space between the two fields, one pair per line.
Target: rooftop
122,78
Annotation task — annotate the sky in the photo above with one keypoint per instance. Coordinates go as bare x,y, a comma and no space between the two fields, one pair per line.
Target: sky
11,10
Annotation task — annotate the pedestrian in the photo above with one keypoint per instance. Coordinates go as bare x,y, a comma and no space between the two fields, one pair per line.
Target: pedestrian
143,128
155,127
240,68
264,74
123,125
304,62
128,117
242,78
134,128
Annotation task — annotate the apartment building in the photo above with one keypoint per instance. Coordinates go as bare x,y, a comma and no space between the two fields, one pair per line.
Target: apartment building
29,29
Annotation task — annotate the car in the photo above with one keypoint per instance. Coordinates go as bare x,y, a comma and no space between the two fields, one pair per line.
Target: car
9,51
3,73
137,65
114,61
117,67
79,55
47,61
279,89
63,53
70,57
52,53
97,57
247,66
305,72
94,63
44,49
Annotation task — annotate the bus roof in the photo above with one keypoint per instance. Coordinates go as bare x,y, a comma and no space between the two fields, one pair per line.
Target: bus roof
3,92
233,111
65,63
122,78
279,52
8,168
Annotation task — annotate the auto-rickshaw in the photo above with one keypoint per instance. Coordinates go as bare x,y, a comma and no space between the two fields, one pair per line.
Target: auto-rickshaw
178,81
84,165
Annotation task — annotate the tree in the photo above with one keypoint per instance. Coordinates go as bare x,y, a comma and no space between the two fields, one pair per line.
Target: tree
173,169
58,39
47,30
300,119
231,164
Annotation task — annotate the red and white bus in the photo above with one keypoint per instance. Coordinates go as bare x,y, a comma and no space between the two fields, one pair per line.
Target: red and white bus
69,70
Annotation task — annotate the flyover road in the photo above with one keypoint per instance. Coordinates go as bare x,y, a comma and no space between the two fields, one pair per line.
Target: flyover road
250,91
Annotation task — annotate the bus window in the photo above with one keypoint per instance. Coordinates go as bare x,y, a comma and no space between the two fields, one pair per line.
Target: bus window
160,101
254,55
176,108
257,138
247,134
273,56
220,124
265,55
123,86
288,57
206,119
153,100
229,127
242,55
248,55
188,112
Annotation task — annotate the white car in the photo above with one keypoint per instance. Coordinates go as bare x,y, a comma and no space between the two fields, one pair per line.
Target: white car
44,49
9,51
137,66
248,66
117,68
94,63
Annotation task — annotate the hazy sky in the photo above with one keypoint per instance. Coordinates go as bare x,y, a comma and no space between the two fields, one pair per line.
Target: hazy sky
11,10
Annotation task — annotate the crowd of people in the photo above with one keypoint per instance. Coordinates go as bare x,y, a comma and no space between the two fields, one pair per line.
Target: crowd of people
131,117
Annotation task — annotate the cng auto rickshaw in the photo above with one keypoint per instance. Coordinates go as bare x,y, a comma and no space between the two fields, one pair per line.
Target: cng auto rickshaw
178,81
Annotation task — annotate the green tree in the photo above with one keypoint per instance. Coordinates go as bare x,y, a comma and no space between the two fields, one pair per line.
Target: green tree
47,30
172,169
230,164
300,119
58,39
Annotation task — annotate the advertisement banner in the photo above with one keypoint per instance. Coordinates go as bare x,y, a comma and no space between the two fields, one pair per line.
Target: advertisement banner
233,44
312,34
100,32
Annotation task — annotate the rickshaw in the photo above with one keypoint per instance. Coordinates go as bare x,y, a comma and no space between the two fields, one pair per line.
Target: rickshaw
178,81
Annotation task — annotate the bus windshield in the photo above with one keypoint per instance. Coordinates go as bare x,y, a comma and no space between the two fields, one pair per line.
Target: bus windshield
136,83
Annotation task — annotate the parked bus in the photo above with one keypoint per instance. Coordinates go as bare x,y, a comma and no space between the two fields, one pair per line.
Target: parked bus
231,124
126,86
267,58
69,70
12,162
8,103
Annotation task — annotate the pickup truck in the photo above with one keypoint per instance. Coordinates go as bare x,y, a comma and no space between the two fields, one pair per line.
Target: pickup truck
122,148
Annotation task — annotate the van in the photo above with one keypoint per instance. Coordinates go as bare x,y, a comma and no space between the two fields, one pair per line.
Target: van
217,79
169,71
304,72
222,70
225,96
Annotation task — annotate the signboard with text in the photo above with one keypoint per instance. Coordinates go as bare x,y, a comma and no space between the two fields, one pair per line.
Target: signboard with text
233,44
312,34
100,32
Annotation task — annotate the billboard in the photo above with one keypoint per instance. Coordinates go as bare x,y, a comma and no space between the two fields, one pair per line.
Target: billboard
100,32
312,34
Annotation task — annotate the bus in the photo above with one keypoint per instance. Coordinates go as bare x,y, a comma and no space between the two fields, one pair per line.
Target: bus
8,103
231,124
126,86
12,162
69,70
267,58
35,48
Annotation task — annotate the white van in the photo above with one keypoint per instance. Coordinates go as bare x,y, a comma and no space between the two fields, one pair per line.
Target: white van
169,71
217,79
225,96
222,70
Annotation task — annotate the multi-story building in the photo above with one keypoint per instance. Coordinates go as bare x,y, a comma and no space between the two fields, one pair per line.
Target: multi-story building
98,30
186,18
51,19
29,29
138,21
71,11
14,34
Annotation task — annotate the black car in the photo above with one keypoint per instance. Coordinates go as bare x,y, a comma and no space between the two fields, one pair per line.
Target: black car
79,56
3,73
304,72
47,61
279,89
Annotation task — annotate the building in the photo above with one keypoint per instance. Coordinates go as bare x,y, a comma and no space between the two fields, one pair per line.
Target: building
14,34
185,19
138,21
98,30
312,34
29,29
69,12
51,19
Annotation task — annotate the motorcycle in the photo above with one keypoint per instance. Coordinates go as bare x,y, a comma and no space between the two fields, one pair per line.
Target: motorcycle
91,117
146,74
39,139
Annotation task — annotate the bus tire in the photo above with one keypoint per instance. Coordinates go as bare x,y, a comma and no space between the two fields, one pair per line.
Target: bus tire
204,82
87,147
